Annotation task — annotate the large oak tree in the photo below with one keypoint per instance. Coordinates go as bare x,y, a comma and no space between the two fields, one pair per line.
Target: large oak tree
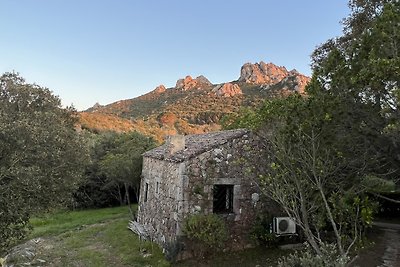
41,154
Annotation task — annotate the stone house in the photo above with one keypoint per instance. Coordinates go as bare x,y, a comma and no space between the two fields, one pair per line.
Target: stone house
204,173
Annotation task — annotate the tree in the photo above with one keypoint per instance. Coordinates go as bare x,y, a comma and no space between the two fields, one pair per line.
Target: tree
317,165
123,164
41,155
325,147
363,68
116,161
306,179
94,190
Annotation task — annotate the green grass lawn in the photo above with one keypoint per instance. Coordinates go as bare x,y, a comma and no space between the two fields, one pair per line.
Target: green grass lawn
100,237
93,238
62,221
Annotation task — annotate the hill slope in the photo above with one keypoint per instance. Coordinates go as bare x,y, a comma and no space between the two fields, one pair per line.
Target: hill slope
194,105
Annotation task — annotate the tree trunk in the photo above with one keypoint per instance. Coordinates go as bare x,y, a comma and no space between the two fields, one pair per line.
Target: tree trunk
121,202
332,221
137,189
128,200
307,229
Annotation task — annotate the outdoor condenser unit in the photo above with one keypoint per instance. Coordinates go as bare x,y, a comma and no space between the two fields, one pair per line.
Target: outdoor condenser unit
284,226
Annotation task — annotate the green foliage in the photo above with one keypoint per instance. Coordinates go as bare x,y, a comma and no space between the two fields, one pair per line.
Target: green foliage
207,230
363,68
377,184
329,257
123,163
346,206
94,191
261,231
116,163
325,146
42,157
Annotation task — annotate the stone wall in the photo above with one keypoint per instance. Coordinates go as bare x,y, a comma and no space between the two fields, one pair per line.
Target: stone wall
237,162
160,213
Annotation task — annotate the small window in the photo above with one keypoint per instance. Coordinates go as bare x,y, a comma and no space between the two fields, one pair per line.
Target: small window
157,187
146,190
223,199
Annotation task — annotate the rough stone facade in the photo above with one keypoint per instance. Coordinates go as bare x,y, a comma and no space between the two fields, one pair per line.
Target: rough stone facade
177,183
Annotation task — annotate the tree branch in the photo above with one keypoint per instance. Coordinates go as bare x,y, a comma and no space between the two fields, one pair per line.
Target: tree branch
385,198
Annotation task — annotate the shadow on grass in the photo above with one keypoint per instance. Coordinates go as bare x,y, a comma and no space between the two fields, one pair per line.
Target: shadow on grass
259,256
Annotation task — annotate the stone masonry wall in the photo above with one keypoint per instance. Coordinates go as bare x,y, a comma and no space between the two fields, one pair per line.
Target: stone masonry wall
164,203
237,162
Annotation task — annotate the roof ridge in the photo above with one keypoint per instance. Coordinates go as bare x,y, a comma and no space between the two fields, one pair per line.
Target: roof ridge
195,144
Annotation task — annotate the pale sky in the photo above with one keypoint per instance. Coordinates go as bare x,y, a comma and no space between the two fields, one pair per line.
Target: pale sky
89,51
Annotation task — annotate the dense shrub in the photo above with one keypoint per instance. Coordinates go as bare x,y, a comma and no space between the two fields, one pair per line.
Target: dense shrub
261,232
329,257
207,231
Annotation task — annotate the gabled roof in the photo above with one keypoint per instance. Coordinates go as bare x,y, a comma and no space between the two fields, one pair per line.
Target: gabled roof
195,144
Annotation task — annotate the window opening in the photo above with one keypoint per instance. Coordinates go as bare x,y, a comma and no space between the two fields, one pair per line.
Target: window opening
146,190
223,199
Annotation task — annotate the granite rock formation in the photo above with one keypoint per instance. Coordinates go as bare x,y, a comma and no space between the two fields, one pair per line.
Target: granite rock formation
227,90
262,73
160,89
189,83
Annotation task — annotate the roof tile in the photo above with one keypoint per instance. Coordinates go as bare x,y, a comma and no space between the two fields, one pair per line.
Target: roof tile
195,144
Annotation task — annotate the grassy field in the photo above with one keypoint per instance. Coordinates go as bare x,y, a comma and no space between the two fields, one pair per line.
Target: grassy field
100,238
93,238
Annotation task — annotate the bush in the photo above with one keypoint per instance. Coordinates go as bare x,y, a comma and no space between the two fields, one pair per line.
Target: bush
261,233
307,258
207,230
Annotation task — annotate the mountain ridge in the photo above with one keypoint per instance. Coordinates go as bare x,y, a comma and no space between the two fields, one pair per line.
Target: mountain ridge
194,105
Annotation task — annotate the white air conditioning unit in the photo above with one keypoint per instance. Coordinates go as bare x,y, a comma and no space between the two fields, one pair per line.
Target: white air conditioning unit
284,226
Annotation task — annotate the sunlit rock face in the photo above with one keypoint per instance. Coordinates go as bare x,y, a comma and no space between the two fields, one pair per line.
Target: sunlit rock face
268,74
160,89
189,83
262,73
227,90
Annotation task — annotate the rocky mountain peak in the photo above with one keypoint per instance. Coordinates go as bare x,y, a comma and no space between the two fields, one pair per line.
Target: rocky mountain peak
160,89
262,73
227,90
295,82
203,80
189,83
95,107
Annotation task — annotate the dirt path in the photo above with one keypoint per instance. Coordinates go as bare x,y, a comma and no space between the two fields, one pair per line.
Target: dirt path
391,256
386,251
